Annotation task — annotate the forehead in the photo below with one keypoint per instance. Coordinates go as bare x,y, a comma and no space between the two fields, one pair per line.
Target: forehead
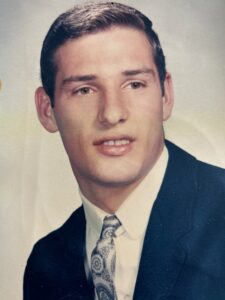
113,46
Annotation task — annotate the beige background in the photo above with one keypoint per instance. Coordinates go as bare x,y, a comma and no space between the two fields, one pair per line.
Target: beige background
38,191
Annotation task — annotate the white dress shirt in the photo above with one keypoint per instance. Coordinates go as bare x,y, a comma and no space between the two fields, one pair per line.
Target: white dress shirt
134,215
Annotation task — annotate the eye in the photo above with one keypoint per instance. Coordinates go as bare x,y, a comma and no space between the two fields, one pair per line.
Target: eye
136,85
83,91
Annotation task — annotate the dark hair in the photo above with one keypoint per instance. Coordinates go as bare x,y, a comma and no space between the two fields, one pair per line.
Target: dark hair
91,18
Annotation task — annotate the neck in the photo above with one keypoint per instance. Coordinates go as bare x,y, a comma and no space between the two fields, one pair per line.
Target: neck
107,198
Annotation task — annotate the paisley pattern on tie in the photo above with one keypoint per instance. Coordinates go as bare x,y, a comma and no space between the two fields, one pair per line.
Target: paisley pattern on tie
103,260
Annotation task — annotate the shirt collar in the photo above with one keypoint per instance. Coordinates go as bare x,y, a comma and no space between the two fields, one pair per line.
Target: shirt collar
94,215
135,211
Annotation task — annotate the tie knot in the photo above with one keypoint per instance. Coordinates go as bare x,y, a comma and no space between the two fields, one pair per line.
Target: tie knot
110,225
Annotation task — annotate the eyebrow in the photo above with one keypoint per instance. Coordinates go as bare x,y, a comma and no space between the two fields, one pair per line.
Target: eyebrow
138,71
79,78
91,77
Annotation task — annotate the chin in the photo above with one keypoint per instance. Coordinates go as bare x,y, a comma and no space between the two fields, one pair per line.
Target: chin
117,179
115,183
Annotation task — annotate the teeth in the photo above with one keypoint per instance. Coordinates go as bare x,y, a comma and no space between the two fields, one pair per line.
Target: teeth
116,142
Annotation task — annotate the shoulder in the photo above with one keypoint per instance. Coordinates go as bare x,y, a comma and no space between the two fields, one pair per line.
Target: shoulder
204,173
202,187
53,246
210,176
55,266
205,183
210,200
70,227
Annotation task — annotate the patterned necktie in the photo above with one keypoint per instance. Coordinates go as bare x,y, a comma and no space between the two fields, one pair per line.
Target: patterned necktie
103,260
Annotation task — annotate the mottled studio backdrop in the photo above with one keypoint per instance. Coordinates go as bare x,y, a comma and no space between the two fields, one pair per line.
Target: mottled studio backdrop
38,191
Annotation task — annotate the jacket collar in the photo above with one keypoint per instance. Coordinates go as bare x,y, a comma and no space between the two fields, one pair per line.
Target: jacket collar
74,236
162,256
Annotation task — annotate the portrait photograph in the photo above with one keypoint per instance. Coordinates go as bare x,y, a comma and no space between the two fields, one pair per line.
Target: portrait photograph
112,150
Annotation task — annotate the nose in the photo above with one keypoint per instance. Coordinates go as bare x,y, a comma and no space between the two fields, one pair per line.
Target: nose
113,109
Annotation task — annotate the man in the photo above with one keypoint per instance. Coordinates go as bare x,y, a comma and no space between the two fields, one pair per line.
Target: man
152,224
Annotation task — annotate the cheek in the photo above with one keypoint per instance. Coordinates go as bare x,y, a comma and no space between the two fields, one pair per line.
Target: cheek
149,120
76,134
148,113
68,117
77,112
149,102
69,127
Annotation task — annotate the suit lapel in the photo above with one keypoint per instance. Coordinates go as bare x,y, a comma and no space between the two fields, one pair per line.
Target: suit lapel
75,255
162,256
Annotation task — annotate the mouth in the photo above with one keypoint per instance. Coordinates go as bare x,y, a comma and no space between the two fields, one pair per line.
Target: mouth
114,146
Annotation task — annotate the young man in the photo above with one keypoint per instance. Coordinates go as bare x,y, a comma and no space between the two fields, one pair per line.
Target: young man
152,224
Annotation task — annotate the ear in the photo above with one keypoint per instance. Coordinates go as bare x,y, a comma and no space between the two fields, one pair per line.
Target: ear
44,110
168,98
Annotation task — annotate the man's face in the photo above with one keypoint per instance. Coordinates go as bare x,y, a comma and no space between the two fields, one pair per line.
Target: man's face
109,107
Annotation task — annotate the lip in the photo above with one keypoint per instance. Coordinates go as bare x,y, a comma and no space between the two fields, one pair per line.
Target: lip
119,148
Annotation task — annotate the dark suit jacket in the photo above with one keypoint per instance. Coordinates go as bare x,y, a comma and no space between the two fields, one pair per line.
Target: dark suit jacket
183,256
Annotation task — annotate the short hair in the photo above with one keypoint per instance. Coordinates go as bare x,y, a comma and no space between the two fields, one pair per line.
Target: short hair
91,18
